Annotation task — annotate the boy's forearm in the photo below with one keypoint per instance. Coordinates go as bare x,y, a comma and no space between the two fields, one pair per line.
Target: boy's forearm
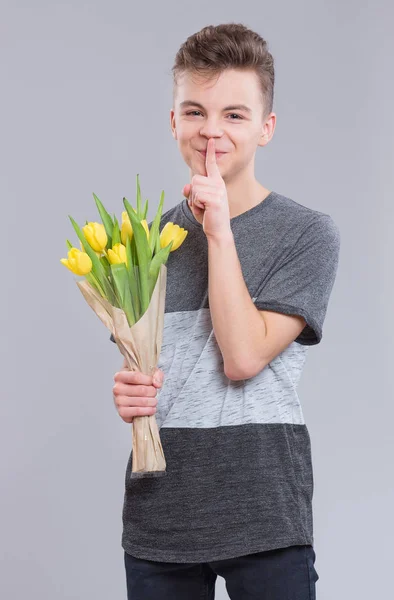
238,326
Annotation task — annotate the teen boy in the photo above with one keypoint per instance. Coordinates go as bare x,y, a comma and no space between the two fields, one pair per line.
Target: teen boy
246,296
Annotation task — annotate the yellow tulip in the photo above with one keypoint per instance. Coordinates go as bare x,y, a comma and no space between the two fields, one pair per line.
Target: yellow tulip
117,255
98,254
126,229
78,262
172,232
96,235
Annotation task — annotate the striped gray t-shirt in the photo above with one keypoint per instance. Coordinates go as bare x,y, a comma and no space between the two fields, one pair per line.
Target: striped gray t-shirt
239,470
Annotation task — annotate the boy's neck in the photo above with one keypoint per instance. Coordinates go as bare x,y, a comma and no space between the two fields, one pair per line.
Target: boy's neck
244,196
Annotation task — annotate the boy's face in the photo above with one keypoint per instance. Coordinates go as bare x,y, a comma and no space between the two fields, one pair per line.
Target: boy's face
199,113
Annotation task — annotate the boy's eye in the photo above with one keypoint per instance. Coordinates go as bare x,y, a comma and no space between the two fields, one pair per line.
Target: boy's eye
232,114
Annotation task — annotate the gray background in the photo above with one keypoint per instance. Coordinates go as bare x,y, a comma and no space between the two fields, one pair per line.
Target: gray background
85,101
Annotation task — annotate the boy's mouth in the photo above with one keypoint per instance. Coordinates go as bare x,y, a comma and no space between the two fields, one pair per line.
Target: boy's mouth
217,154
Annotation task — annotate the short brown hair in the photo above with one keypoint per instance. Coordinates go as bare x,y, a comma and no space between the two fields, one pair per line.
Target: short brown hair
227,46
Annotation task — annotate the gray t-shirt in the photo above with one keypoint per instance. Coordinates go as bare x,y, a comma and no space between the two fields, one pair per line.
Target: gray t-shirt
239,470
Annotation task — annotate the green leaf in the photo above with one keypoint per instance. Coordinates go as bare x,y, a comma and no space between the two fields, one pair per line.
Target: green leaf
159,259
116,233
95,284
129,255
106,219
133,281
106,264
144,255
69,245
139,214
154,230
158,244
121,281
118,271
134,251
138,307
117,285
145,211
128,304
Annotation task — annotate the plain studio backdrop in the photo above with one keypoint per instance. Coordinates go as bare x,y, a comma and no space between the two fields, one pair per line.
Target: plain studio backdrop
85,102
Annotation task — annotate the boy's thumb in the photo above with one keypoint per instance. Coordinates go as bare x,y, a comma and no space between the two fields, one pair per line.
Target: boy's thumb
186,190
158,376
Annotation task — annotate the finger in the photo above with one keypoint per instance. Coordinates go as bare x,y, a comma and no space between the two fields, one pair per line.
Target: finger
201,198
136,411
127,419
125,389
194,200
135,377
210,160
133,401
205,189
186,190
158,377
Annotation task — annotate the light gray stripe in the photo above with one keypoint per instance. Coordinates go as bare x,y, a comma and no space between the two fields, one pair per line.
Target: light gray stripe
197,393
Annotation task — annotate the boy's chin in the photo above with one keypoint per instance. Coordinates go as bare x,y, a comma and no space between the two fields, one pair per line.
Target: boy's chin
200,170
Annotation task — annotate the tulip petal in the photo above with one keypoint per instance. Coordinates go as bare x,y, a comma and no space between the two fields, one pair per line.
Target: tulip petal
179,239
64,262
165,235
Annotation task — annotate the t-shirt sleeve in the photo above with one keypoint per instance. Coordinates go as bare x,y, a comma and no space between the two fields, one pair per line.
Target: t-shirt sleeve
302,282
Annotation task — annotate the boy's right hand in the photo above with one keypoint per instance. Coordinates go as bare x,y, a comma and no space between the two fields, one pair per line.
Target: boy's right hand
135,393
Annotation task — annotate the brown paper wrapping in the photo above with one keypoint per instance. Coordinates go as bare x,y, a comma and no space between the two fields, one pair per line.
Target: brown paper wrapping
141,346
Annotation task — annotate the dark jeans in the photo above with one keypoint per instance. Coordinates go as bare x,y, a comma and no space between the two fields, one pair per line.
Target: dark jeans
283,574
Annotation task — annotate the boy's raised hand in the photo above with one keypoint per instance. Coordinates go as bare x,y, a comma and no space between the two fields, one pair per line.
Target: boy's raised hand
207,196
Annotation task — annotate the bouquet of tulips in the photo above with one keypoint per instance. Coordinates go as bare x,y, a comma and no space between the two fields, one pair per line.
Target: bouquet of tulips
125,276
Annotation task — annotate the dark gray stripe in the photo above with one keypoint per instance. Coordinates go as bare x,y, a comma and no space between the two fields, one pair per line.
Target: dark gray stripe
228,491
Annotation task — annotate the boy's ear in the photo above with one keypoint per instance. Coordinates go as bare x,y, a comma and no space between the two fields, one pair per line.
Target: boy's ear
268,130
263,139
173,124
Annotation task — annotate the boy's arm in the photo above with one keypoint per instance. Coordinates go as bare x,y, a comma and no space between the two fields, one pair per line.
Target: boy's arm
247,337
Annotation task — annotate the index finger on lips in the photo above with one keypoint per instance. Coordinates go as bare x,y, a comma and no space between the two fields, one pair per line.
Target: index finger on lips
211,165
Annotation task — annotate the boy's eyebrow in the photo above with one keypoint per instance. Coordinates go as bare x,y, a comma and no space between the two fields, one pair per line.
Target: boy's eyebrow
232,107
